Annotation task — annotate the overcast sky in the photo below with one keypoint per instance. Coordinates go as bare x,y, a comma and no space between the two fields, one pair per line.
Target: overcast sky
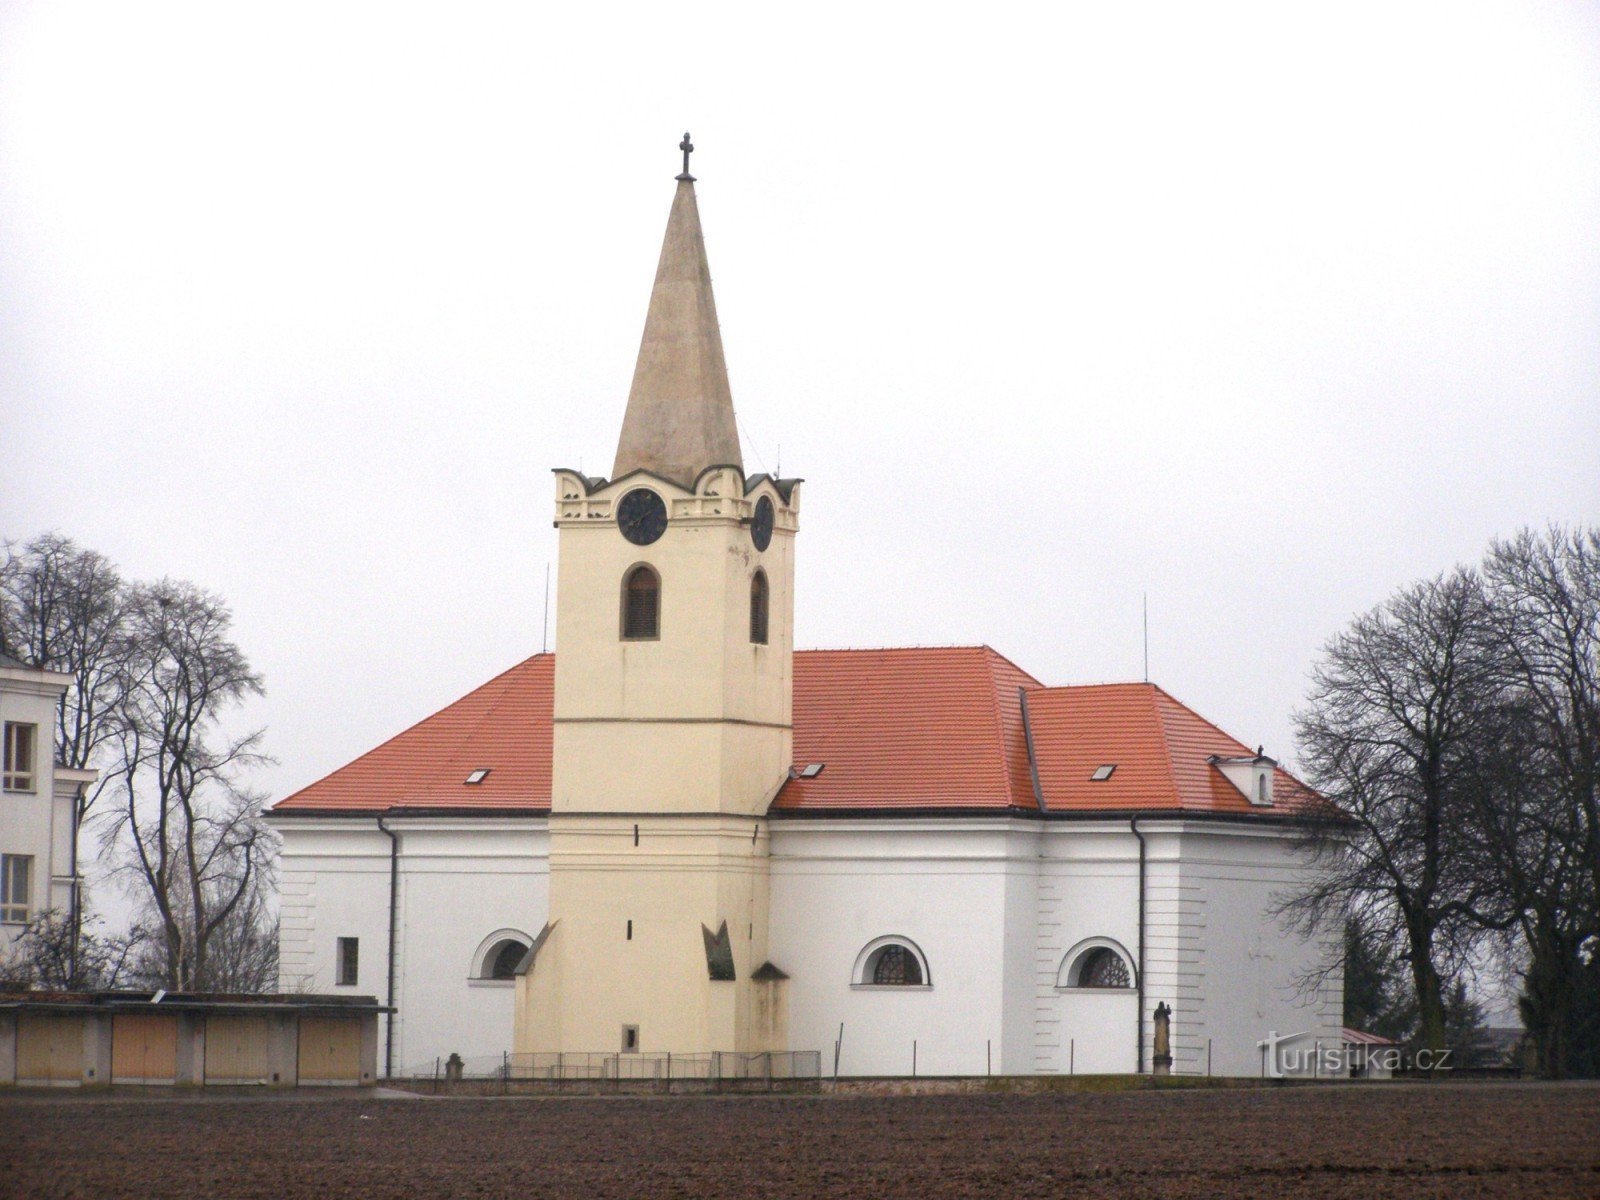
1264,310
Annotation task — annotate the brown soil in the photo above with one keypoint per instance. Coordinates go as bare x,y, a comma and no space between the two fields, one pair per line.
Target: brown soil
1413,1141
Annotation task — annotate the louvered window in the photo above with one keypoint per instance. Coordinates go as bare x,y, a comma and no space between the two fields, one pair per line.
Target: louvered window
641,605
758,608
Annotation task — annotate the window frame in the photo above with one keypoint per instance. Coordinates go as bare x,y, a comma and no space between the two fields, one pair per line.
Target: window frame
484,957
623,608
13,911
347,962
861,975
1073,962
23,736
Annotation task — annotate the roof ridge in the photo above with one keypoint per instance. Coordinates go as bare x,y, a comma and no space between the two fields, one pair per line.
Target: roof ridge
1003,765
414,725
1166,741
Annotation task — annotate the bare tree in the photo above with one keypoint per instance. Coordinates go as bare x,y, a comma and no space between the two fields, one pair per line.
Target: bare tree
65,609
56,954
1539,813
1393,734
191,836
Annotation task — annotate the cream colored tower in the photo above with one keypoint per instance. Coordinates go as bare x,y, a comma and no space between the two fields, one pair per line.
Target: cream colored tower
672,736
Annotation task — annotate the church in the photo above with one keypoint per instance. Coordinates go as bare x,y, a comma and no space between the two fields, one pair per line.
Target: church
680,834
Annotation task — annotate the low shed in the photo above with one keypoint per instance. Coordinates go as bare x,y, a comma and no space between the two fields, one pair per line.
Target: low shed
68,1039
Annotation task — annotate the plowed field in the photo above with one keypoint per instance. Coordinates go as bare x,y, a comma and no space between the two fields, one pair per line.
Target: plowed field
1414,1141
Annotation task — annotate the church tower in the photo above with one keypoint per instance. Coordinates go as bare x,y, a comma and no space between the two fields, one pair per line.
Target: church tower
674,672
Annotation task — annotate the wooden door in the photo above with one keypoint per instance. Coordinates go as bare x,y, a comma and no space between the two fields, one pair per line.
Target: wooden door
144,1048
236,1049
49,1049
330,1050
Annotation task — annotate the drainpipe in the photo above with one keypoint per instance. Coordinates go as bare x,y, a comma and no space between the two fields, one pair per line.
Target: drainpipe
1133,826
394,912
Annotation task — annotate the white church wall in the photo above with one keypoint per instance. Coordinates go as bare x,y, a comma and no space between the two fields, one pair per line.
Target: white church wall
1088,895
460,880
1253,965
838,885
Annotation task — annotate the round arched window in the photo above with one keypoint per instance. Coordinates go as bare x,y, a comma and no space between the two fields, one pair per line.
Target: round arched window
1103,967
897,966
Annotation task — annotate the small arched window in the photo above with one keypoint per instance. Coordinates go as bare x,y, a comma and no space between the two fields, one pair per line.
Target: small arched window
499,955
1097,963
891,962
641,604
505,960
1103,968
758,608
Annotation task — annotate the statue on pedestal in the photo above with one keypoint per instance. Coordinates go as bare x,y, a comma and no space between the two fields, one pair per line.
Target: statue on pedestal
1162,1061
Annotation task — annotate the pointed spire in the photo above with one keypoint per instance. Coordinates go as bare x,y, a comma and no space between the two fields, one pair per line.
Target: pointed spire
680,410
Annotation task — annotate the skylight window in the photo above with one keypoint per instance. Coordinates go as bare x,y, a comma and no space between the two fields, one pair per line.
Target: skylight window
811,770
1102,772
479,775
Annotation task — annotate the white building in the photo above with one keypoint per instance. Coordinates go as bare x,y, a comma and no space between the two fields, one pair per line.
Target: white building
38,801
683,835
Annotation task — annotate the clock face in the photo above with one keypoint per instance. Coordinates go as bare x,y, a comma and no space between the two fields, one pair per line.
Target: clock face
642,516
761,524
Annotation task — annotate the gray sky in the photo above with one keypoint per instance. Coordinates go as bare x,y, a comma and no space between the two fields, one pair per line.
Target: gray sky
1265,310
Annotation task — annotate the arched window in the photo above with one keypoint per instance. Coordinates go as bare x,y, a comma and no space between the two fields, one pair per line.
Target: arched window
1096,963
504,963
758,608
500,954
641,604
891,962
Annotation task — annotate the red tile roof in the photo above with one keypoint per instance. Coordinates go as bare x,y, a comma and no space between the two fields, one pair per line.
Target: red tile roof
1158,746
926,727
503,726
914,728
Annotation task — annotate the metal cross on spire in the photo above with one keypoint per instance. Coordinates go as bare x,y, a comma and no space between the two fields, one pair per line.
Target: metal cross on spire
688,148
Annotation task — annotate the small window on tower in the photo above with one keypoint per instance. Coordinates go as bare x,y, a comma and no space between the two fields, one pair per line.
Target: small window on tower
758,608
630,1039
641,605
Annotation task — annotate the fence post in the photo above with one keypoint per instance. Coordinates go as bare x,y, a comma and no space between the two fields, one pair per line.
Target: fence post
988,1057
669,1072
505,1072
1208,1058
1072,1056
436,1073
913,1058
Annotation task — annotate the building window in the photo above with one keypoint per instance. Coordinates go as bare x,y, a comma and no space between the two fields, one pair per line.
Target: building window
758,608
897,967
891,962
641,605
505,960
1097,963
19,755
16,882
349,965
630,1039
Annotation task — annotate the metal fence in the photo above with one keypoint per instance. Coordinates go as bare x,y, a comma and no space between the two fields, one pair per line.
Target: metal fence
626,1070
714,1067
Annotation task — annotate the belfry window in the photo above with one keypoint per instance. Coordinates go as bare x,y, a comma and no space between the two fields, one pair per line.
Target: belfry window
641,605
758,608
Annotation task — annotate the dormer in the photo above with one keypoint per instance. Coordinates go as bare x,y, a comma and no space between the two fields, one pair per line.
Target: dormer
1250,773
